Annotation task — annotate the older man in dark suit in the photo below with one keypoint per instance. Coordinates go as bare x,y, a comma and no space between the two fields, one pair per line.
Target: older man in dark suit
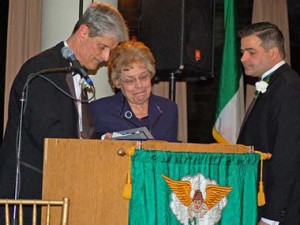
48,111
272,123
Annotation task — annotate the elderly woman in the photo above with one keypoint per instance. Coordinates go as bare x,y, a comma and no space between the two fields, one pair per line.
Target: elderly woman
130,69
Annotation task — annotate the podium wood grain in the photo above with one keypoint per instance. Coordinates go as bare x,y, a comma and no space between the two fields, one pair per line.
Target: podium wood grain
92,175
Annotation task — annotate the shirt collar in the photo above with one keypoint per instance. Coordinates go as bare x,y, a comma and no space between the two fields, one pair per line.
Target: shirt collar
272,69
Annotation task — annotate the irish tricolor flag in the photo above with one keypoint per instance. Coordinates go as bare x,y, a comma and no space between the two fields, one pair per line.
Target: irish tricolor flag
230,106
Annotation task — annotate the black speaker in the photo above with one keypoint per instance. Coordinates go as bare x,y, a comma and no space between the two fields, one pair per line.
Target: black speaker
131,11
179,34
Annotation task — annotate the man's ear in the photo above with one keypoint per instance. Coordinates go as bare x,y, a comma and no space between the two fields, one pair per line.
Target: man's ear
274,53
83,31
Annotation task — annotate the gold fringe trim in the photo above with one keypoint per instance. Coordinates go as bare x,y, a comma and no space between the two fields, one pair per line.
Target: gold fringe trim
127,191
261,199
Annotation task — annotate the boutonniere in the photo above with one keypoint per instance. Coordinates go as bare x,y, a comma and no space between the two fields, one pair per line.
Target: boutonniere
261,87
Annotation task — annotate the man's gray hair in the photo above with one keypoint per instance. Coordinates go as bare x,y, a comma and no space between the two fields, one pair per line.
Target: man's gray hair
104,20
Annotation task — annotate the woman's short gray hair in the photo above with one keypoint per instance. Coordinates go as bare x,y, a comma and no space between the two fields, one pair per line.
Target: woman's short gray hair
127,54
104,20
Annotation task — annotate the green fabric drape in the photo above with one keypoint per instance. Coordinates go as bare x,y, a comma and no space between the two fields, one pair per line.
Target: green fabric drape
151,196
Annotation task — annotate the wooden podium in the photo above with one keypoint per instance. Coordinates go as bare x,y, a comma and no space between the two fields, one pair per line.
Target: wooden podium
92,174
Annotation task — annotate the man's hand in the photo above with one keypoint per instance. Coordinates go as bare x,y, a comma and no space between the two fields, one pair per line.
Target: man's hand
262,223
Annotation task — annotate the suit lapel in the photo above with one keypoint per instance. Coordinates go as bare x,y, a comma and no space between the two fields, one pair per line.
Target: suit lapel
70,82
248,112
271,82
256,96
155,112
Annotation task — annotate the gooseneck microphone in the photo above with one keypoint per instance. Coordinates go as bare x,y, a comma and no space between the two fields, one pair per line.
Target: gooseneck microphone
68,54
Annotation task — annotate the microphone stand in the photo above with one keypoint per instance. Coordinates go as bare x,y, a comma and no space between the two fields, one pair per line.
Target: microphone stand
80,8
19,132
172,87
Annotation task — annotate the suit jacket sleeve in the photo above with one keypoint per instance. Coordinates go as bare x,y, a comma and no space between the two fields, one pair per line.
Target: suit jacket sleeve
284,142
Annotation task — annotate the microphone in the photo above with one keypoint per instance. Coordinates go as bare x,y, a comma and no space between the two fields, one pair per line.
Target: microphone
69,55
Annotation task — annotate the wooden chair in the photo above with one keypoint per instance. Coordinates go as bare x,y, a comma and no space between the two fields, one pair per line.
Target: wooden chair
47,204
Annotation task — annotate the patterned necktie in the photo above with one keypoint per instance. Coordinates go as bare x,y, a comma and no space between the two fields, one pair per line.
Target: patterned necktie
87,121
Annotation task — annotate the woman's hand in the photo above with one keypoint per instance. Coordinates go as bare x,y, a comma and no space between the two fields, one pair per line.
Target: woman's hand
107,135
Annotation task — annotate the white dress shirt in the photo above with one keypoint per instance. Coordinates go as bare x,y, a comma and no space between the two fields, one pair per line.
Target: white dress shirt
78,90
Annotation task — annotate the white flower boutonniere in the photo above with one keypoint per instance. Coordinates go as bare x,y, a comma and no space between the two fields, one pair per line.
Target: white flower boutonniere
261,86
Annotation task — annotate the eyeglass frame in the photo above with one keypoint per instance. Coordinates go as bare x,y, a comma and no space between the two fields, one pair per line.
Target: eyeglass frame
132,80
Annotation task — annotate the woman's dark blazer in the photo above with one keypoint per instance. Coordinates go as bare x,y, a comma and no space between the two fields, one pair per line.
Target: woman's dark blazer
113,114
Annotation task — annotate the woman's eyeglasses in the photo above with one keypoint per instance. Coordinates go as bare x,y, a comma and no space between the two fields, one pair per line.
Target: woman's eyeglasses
132,81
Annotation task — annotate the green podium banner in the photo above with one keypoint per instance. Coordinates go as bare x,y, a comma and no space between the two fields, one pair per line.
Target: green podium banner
193,188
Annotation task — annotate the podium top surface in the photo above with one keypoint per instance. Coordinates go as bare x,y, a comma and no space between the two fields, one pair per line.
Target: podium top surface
158,145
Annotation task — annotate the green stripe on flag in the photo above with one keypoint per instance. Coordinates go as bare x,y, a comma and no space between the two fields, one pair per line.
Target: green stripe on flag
230,73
